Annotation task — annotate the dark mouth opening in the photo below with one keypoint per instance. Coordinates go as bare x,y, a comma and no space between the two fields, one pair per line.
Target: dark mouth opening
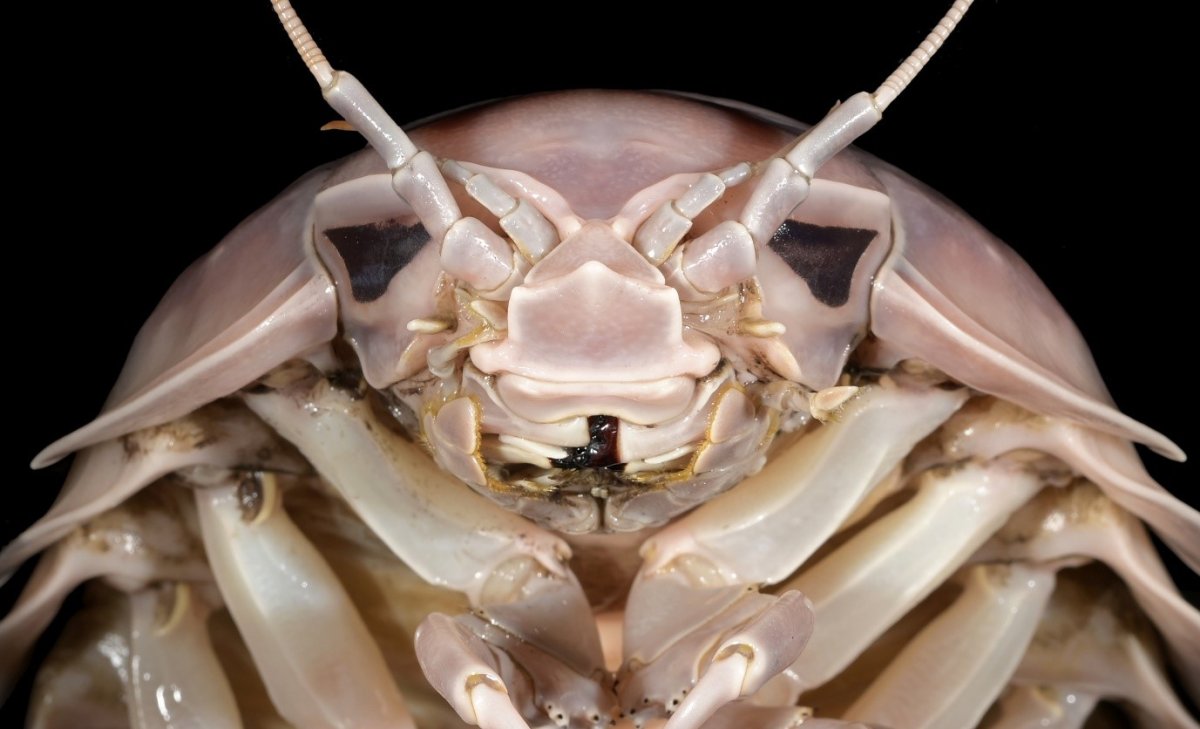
601,450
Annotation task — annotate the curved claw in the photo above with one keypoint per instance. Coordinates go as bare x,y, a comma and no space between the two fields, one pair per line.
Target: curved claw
221,434
278,586
459,665
176,680
493,679
745,638
720,685
748,659
145,540
494,705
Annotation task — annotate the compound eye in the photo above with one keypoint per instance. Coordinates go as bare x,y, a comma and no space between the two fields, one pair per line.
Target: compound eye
374,253
815,275
386,269
823,256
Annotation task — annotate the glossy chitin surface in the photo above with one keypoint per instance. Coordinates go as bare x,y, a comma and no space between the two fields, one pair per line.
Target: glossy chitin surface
585,427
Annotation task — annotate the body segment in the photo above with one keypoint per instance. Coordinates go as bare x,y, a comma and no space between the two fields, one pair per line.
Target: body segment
505,367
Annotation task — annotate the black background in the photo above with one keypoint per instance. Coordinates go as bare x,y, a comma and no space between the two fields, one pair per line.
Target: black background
152,134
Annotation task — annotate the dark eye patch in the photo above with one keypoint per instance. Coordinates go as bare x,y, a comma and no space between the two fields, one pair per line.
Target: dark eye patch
375,253
824,256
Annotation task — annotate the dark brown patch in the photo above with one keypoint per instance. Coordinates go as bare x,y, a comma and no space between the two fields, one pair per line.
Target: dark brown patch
250,497
348,381
824,256
292,373
601,450
131,446
375,253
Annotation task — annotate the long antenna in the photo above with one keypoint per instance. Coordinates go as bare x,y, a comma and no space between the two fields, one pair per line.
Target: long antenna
785,181
304,43
415,174
903,76
855,116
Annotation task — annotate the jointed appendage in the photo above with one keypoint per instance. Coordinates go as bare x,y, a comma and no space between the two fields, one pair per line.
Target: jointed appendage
513,572
277,586
567,412
976,508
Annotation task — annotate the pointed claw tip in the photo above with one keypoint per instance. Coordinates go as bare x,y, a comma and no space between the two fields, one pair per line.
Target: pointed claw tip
735,649
180,604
